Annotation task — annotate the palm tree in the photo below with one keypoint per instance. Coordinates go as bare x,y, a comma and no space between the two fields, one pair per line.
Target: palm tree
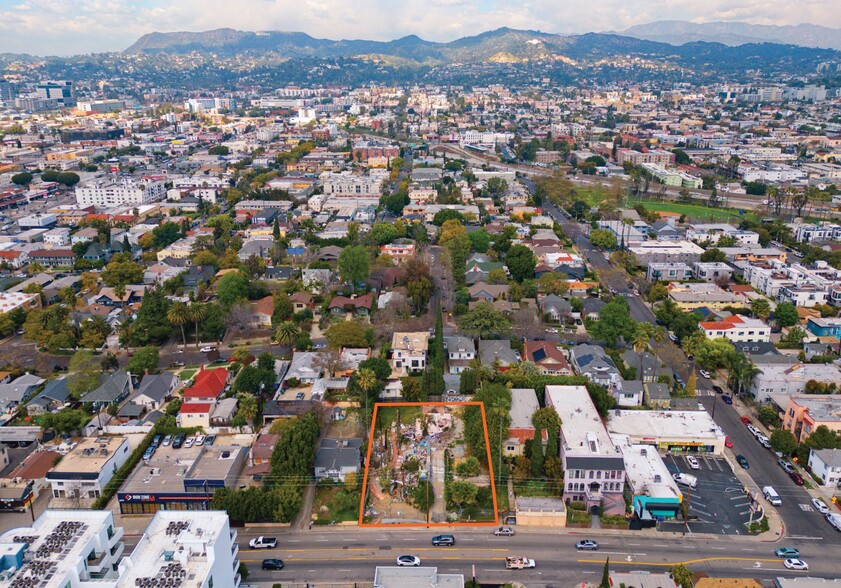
196,313
287,333
748,372
179,314
99,325
246,407
366,379
120,292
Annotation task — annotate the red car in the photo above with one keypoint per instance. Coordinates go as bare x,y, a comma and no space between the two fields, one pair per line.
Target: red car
728,443
796,478
746,420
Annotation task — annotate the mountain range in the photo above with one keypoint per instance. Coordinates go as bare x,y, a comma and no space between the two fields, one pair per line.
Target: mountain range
678,32
498,46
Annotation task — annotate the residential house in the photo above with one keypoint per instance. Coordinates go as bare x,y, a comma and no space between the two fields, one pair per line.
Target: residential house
488,292
630,394
460,352
304,368
358,305
260,455
208,385
54,395
657,395
155,390
279,274
316,279
478,271
261,313
350,358
14,393
824,327
498,353
53,257
523,405
197,274
409,352
665,230
113,389
592,362
647,366
399,251
301,301
547,356
336,458
826,465
224,412
591,307
555,307
195,414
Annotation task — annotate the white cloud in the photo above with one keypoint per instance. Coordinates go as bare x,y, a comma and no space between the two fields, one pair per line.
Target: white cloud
82,26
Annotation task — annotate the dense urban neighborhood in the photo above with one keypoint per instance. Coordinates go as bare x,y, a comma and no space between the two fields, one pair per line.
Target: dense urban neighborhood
330,324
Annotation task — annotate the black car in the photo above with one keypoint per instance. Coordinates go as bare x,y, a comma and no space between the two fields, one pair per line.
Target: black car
743,461
443,540
272,564
718,389
178,441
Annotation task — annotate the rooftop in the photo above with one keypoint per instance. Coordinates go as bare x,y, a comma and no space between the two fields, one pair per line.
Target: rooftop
664,423
646,472
582,430
90,455
421,577
523,404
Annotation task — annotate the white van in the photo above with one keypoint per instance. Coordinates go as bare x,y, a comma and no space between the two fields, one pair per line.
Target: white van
772,496
686,480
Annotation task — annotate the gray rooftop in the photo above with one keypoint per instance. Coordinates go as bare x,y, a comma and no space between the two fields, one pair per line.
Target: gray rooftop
831,457
421,577
523,404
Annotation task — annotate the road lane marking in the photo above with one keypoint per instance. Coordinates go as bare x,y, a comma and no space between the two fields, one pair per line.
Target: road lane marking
674,563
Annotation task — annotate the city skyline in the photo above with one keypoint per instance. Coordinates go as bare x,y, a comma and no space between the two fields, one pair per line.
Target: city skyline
42,27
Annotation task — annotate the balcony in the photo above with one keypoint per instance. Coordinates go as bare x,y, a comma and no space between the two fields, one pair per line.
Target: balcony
116,535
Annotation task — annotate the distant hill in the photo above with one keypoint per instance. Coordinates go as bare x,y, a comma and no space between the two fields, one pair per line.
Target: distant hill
678,32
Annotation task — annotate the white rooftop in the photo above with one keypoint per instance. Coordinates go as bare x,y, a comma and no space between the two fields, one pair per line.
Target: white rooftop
646,473
421,577
695,424
523,404
582,430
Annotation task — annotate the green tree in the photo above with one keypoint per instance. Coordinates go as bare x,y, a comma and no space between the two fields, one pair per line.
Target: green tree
349,334
681,158
354,265
521,263
536,454
145,358
713,255
287,333
682,576
382,233
786,314
166,234
178,314
715,353
783,440
232,288
485,321
461,494
246,407
197,312
423,496
152,326
761,308
468,467
84,374
479,240
605,583
22,179
122,271
658,292
768,416
603,239
614,323
446,214
412,389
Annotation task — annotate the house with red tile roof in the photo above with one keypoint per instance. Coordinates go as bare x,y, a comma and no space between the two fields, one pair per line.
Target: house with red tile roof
195,414
207,386
738,329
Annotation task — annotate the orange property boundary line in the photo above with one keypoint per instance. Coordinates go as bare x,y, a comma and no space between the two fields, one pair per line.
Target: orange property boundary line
481,406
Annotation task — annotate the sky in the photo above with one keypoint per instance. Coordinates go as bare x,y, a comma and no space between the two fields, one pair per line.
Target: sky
69,27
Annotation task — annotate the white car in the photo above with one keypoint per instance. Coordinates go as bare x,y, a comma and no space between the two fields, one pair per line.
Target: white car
704,373
693,463
796,564
820,505
207,349
551,330
263,543
200,439
408,560
189,442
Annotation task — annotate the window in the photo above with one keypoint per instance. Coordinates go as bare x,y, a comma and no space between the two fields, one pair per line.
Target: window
510,448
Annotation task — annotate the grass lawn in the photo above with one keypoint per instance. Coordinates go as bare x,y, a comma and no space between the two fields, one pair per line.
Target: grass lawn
386,415
696,211
187,374
502,496
335,503
535,488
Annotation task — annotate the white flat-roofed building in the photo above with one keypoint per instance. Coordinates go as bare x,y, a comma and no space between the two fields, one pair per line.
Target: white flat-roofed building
787,380
594,470
656,494
738,329
666,251
711,271
75,548
411,577
198,547
58,237
678,430
127,192
714,232
83,472
668,271
347,185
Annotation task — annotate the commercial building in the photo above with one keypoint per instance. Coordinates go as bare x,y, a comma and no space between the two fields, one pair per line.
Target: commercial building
777,380
738,329
656,495
594,470
10,301
682,431
88,467
181,479
404,577
804,414
61,549
198,548
124,193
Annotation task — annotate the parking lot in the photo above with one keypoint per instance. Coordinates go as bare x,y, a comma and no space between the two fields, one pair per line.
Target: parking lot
719,503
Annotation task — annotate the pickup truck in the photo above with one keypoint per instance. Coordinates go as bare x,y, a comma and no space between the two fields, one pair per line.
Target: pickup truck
519,563
263,543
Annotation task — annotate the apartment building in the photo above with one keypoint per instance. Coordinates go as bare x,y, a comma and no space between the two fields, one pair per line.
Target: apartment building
776,380
88,467
714,232
711,271
738,329
826,465
804,414
668,271
666,251
127,192
654,156
594,469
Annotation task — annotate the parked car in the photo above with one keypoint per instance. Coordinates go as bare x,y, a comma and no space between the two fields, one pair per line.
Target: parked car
727,399
746,420
551,330
796,564
210,439
728,443
178,441
587,545
299,396
200,439
150,451
787,552
743,461
263,543
443,540
820,506
718,389
408,560
796,478
207,349
189,442
752,430
156,440
504,532
704,374
167,441
787,467
272,564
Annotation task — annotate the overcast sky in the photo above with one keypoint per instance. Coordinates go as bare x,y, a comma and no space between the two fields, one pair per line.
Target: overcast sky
66,27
